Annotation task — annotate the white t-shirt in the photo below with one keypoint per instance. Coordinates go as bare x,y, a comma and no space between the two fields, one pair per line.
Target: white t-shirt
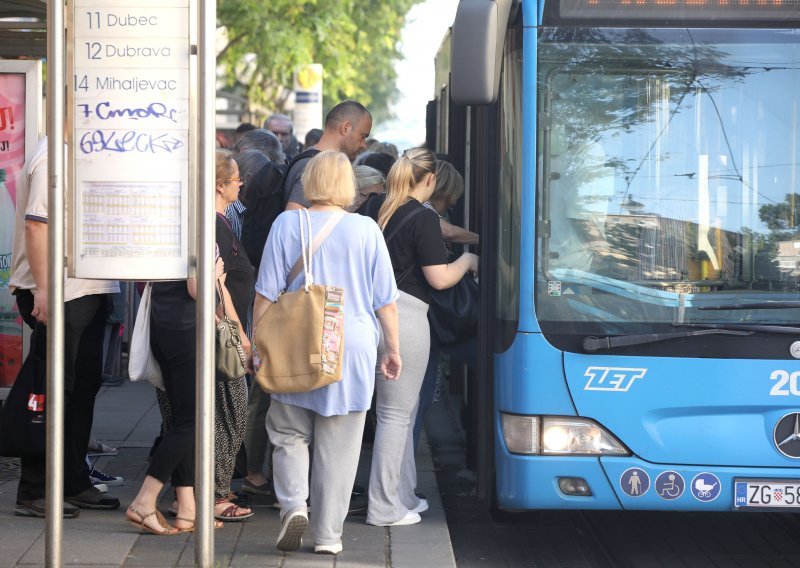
32,205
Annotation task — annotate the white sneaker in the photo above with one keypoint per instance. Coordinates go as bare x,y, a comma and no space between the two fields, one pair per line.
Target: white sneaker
410,518
328,548
291,536
421,507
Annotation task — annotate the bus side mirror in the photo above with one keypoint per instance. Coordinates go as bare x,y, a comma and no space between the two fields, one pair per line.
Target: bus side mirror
479,32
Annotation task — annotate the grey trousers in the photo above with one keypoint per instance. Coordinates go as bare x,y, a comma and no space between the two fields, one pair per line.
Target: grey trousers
336,443
393,477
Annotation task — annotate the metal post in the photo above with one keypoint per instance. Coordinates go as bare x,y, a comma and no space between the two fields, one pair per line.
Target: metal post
55,277
206,237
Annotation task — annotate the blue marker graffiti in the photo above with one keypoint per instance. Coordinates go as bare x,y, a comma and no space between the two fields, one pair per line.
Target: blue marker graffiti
96,141
103,111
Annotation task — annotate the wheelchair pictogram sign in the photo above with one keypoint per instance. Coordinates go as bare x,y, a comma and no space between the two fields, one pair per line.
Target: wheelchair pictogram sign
669,485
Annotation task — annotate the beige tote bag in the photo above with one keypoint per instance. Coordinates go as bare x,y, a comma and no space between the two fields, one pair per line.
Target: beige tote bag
300,339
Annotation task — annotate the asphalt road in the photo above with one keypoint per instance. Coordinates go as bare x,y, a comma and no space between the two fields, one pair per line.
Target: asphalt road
601,538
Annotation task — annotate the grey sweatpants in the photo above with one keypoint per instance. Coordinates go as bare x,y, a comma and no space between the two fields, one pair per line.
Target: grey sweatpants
393,477
336,443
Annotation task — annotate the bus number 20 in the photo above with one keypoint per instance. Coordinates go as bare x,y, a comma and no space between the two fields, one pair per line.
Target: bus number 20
787,383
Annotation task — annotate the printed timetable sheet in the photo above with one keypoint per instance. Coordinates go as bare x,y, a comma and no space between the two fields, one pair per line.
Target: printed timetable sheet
125,219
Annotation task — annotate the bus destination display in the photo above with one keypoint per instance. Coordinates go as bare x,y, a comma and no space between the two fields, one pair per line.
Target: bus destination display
766,10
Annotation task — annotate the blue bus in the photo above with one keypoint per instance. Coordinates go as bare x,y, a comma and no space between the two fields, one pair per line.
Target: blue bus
633,168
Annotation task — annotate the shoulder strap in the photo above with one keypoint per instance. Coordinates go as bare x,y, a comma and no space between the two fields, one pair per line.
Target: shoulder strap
394,232
315,244
305,154
400,224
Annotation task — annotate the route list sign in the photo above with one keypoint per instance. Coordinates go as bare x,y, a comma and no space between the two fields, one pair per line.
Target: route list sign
130,146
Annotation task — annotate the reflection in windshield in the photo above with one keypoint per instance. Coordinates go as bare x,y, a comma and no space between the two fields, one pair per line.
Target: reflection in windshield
668,162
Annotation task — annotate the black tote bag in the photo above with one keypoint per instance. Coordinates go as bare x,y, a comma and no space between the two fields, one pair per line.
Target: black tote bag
453,313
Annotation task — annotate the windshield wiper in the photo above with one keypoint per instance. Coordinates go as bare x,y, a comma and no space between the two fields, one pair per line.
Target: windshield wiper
753,306
776,329
598,343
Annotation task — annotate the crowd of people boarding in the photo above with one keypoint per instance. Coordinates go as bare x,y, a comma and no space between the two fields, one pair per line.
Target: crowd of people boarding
389,248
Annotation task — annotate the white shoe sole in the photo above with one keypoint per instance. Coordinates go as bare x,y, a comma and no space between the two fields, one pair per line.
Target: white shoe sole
410,518
291,536
111,483
328,548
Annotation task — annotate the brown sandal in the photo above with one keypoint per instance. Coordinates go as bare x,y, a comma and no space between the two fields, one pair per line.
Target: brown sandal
231,513
169,530
217,525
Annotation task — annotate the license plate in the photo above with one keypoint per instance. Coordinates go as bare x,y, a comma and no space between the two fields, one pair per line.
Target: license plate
769,493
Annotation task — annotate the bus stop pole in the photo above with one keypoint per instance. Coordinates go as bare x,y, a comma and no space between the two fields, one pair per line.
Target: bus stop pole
54,400
206,224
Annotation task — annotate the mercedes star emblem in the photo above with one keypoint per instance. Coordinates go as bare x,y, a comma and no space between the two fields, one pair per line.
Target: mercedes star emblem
787,435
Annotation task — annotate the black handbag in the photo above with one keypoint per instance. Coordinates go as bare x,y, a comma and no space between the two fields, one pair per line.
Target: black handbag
453,313
22,417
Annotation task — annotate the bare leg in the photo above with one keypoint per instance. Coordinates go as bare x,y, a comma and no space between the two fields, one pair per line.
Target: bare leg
145,503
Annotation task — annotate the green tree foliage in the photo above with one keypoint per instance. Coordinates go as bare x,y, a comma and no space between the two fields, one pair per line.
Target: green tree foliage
356,41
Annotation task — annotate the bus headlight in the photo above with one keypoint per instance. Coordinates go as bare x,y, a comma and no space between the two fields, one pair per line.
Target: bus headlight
562,435
521,433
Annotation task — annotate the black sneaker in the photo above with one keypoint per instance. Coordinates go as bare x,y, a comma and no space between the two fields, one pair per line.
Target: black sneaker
263,489
96,476
91,498
36,508
357,507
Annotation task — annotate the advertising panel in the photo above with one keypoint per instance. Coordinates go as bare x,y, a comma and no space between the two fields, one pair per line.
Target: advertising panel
20,101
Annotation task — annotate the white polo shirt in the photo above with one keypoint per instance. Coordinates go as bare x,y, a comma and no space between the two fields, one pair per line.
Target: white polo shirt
32,205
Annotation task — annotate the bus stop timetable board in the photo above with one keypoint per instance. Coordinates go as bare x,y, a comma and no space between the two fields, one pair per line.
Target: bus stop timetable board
129,156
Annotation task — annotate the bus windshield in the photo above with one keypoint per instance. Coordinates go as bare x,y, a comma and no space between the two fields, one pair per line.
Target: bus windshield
667,176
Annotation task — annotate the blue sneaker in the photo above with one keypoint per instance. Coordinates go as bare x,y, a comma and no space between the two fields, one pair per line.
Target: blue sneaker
97,476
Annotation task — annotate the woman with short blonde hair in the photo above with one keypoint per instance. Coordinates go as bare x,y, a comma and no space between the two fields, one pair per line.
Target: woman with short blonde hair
329,420
326,180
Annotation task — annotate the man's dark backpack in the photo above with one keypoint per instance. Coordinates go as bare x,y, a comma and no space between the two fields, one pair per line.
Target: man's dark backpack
304,155
264,202
265,199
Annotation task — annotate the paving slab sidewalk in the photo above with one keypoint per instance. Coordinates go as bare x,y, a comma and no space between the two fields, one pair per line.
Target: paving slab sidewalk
127,417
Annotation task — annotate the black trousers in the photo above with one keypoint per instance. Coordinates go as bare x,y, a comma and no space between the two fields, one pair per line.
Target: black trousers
173,458
84,323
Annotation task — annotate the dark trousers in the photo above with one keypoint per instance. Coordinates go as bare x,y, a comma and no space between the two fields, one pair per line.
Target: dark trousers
174,456
84,322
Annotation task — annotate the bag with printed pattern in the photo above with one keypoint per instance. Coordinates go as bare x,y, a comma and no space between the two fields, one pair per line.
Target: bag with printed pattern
300,339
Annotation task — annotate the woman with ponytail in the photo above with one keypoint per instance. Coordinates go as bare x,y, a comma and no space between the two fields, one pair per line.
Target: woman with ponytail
419,259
